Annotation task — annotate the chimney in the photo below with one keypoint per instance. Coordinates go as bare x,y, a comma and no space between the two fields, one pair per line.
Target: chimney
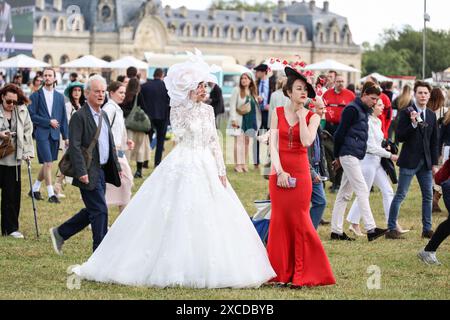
57,5
241,15
268,16
212,12
312,5
168,11
40,4
183,12
326,6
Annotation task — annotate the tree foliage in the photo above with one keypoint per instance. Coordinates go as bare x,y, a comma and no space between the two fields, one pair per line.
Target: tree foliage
400,53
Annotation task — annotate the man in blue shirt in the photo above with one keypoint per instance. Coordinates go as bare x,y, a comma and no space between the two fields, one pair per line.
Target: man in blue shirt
266,87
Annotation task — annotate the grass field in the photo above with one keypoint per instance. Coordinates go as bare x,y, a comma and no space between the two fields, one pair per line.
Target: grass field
29,269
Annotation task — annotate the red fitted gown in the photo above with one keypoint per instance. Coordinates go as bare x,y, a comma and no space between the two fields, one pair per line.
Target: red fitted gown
295,250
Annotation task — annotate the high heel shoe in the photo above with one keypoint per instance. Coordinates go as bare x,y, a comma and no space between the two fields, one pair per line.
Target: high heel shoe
245,168
238,169
401,230
355,232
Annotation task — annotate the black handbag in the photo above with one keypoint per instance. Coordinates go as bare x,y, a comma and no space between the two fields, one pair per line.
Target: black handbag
387,164
65,165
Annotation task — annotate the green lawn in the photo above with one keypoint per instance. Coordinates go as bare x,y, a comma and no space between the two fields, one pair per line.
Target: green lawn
31,270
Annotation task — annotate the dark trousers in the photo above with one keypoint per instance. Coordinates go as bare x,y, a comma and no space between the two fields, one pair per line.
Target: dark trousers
161,129
443,231
95,214
10,208
263,130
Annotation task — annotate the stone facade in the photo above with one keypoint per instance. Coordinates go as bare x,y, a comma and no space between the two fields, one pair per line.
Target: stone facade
109,29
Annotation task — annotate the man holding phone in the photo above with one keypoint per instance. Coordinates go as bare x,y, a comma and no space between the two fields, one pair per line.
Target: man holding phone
417,130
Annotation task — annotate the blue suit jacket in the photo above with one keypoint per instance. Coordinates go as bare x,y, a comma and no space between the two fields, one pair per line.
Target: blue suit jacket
41,118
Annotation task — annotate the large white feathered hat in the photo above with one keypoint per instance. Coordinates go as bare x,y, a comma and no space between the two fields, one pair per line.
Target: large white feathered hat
182,78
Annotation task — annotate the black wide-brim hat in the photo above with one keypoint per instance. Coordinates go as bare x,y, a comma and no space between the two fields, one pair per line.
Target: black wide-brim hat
291,72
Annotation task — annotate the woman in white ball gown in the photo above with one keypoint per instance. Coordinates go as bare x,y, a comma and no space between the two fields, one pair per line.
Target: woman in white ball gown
185,226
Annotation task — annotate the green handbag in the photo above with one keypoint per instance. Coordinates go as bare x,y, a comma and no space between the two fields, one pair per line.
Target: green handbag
138,120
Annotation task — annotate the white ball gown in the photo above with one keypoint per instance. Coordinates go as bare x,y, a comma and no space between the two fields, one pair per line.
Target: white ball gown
183,228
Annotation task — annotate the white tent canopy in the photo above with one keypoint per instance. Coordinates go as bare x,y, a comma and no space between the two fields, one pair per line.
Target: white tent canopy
23,61
331,65
127,62
87,62
377,76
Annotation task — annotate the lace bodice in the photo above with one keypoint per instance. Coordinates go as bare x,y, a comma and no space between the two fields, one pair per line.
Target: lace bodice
194,127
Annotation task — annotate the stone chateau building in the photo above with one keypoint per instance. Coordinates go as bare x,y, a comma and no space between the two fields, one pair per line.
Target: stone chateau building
67,29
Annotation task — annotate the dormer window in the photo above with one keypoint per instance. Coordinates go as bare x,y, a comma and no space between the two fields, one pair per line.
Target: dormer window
106,13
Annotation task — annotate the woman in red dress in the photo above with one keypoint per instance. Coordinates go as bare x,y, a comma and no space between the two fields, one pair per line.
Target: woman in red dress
295,250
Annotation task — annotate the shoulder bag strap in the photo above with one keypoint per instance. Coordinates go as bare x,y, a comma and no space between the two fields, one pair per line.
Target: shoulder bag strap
97,134
114,119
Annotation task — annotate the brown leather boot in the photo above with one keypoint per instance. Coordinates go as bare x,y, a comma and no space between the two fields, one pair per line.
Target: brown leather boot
436,198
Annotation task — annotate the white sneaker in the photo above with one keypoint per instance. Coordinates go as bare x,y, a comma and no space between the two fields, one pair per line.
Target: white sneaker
17,235
428,257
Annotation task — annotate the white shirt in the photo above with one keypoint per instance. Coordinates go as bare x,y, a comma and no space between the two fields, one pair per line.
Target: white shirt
118,129
49,100
103,139
376,137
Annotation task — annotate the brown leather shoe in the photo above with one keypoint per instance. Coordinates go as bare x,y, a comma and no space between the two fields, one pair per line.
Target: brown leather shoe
393,235
436,198
427,234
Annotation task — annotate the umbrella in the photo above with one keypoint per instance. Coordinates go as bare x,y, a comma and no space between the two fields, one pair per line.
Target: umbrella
128,61
88,61
22,61
377,76
330,65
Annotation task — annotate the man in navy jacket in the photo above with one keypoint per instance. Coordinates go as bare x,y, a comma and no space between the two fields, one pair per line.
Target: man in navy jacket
48,113
157,108
417,130
350,148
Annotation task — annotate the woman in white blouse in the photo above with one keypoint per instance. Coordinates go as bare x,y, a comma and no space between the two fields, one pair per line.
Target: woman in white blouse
119,196
246,125
373,172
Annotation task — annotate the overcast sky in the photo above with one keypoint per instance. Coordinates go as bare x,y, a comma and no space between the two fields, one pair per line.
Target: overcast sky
367,22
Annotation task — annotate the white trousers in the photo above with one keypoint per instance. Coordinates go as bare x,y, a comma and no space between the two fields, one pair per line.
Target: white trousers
352,181
374,174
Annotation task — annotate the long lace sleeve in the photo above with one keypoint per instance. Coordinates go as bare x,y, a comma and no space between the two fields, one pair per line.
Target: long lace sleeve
214,145
179,123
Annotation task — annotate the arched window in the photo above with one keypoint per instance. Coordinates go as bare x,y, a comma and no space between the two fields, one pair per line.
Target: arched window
321,37
287,35
107,58
216,33
246,34
61,24
203,31
232,32
187,30
260,35
48,59
335,37
273,35
45,24
77,24
64,59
